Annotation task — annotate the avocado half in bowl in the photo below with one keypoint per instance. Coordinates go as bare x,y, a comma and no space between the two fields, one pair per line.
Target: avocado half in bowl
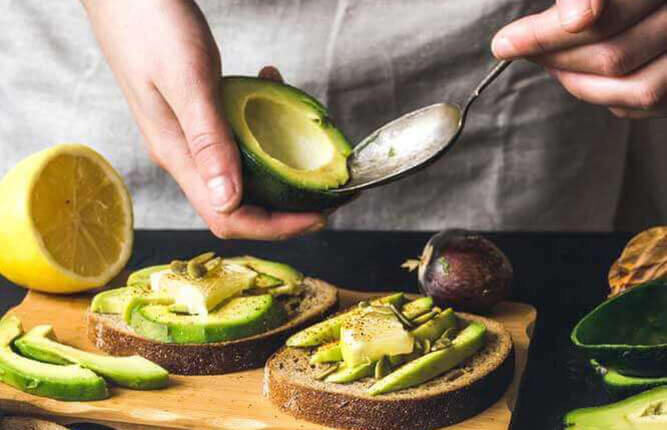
628,332
292,153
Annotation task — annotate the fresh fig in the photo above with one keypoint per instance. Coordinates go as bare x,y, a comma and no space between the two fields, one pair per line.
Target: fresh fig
463,270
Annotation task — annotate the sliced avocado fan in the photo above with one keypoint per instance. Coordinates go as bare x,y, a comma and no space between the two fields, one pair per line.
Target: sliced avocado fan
132,372
290,149
70,382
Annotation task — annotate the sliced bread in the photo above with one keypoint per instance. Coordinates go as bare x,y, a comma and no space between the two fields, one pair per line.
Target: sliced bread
289,382
110,334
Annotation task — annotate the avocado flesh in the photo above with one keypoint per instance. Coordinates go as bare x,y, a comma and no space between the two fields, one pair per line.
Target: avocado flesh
347,374
236,318
142,278
433,364
132,372
290,150
628,332
274,270
328,353
328,330
116,300
645,411
70,382
621,386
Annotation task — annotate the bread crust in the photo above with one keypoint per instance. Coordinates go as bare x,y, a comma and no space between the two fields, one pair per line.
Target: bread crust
431,409
113,337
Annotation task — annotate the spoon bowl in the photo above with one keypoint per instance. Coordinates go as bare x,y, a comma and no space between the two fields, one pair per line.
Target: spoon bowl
410,142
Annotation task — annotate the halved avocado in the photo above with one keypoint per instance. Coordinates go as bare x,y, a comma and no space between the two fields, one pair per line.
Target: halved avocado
629,331
621,386
292,153
645,411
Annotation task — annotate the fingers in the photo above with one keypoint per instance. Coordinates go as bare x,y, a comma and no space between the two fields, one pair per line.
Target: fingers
645,89
196,104
618,55
271,73
577,15
542,33
247,222
638,114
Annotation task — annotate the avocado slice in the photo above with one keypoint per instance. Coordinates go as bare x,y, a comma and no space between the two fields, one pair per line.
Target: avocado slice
272,271
116,300
328,353
347,374
142,278
433,364
621,386
417,307
628,332
69,382
132,372
236,318
292,154
436,326
645,411
328,331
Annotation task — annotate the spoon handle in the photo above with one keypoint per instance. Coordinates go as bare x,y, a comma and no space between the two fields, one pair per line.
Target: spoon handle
490,77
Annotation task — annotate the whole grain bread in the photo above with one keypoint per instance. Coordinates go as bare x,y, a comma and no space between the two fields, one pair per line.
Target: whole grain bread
26,423
289,382
110,334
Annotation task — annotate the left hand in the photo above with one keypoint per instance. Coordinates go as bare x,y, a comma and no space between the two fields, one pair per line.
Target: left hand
606,52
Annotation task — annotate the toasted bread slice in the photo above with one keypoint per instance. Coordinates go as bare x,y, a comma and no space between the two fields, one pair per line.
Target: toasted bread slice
289,382
110,334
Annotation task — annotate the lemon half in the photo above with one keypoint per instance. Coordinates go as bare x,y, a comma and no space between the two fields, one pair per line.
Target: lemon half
65,221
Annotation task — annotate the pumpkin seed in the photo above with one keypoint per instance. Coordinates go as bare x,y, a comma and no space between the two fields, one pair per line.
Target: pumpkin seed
328,371
178,267
382,367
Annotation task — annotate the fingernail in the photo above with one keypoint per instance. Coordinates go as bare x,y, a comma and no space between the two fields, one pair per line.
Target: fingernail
220,191
573,11
502,48
316,227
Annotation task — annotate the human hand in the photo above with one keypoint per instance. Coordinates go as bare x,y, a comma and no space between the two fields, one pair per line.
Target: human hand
167,63
607,52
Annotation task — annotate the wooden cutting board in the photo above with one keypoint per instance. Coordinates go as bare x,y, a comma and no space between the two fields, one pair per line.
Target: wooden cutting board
225,402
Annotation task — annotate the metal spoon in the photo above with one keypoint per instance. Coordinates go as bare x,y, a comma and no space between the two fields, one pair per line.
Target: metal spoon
411,142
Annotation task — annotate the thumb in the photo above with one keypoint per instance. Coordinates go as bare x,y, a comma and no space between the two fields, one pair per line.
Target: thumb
578,15
212,146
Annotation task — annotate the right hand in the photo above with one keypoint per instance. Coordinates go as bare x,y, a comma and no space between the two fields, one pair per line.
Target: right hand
167,63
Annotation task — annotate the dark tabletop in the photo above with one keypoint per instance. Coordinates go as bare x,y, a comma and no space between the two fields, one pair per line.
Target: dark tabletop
562,275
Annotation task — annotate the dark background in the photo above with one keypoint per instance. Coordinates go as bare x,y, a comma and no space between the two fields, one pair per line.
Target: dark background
564,275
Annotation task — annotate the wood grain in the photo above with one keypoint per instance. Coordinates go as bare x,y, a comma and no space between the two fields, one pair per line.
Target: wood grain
225,402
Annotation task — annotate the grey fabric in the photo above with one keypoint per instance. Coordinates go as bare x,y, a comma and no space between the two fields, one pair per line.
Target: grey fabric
532,157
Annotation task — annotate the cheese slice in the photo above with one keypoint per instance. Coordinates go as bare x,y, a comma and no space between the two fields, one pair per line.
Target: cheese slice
199,296
370,335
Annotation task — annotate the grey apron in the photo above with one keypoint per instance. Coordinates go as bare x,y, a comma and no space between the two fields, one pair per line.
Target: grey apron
532,158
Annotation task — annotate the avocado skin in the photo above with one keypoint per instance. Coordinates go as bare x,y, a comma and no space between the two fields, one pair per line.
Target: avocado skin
84,387
620,386
639,345
263,188
615,415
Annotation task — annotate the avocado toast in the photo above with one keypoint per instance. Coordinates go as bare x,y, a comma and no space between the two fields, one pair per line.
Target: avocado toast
208,315
458,366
